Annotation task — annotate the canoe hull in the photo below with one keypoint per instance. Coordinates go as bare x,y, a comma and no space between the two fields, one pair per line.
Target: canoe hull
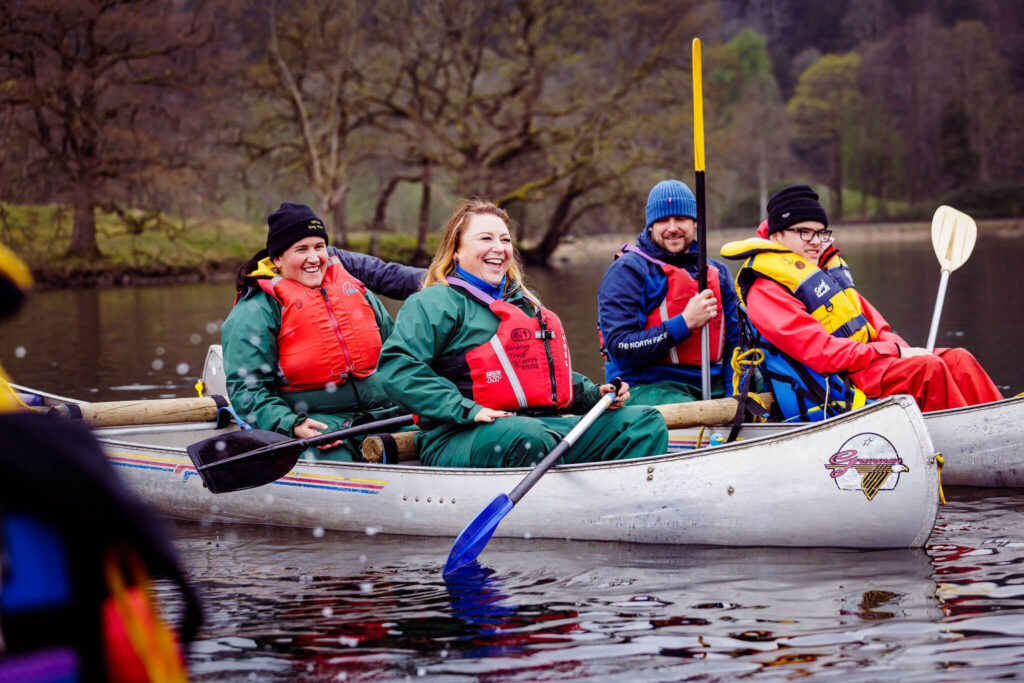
790,490
981,445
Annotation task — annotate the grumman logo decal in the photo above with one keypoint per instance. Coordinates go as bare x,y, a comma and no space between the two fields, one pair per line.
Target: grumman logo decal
866,462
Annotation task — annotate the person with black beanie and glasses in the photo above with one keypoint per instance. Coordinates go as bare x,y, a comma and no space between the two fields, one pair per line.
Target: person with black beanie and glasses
799,297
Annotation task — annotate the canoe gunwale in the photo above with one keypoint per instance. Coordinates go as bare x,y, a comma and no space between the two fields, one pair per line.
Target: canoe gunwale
649,461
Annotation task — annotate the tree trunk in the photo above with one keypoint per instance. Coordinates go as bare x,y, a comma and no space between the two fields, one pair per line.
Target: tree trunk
338,220
380,212
837,184
422,256
83,234
762,180
558,226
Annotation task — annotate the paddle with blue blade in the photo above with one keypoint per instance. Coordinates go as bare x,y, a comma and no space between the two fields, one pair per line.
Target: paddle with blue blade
233,461
477,533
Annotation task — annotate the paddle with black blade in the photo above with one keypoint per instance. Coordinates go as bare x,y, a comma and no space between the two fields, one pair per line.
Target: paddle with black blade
953,237
702,248
478,532
254,457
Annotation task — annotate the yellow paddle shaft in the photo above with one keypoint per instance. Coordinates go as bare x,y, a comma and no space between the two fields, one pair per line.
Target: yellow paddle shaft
677,416
698,109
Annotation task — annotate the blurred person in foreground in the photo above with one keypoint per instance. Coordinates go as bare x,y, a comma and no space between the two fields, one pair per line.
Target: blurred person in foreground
78,551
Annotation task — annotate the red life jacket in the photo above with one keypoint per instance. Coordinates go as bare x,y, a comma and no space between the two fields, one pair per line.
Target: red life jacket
327,333
682,288
524,365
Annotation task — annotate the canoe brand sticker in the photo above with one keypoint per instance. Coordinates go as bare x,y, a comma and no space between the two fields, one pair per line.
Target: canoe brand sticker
866,462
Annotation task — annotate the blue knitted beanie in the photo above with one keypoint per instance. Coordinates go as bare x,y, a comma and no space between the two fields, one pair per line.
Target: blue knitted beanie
670,198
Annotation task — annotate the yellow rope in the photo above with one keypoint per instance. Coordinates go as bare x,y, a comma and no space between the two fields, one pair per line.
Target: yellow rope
740,361
200,387
940,461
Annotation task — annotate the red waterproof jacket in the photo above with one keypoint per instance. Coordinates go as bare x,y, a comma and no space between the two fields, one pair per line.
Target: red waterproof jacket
782,319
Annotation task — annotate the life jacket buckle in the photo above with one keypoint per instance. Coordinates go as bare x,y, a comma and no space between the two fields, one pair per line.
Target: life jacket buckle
544,334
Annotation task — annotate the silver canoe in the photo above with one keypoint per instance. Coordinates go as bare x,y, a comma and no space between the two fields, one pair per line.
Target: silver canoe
866,480
981,445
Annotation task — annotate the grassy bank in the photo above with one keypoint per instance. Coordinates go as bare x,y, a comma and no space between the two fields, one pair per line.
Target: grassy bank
162,249
149,248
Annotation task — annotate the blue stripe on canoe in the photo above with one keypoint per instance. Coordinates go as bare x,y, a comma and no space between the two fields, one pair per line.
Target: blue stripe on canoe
171,468
324,486
162,468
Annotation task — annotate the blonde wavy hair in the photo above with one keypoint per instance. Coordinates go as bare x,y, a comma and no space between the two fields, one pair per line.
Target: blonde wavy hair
443,263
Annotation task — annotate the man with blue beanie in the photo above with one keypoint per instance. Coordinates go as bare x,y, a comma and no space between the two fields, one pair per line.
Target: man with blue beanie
650,312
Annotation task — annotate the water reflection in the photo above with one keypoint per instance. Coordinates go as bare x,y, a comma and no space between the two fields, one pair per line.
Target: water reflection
287,604
132,342
379,609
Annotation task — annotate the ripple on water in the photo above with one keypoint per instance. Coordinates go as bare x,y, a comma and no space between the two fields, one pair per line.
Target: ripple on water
329,606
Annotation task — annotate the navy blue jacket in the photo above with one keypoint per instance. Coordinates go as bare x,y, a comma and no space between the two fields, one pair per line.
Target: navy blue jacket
632,287
393,280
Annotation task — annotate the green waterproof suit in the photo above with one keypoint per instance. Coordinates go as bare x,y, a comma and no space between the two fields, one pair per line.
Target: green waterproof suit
249,338
440,322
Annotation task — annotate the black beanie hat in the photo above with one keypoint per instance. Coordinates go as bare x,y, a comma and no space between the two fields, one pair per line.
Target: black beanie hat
794,204
289,224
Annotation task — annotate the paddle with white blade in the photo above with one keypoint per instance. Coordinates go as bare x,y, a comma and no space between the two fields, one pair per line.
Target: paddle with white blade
476,534
953,237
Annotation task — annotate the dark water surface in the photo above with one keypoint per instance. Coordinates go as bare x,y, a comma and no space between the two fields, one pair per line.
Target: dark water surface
293,604
146,342
287,604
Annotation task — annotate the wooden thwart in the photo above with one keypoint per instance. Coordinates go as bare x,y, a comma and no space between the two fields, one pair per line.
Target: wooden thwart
677,416
142,412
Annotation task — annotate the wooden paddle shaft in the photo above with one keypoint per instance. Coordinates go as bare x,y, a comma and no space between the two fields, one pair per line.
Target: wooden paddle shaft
677,416
701,413
158,411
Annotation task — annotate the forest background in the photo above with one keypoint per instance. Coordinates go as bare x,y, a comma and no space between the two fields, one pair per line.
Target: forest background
152,137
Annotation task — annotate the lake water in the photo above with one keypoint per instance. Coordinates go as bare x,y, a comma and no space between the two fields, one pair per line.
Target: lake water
287,604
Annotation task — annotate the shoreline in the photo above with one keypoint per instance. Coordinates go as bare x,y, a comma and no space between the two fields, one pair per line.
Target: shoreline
584,249
573,251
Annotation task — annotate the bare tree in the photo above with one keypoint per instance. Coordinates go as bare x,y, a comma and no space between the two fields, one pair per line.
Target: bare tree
94,90
308,99
528,102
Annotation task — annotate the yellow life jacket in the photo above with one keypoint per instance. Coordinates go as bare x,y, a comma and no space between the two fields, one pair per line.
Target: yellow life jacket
827,293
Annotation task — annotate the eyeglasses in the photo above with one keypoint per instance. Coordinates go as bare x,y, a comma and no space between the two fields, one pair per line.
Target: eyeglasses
806,234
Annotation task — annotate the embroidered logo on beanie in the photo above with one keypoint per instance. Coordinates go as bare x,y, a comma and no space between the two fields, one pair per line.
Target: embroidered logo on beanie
289,224
669,198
